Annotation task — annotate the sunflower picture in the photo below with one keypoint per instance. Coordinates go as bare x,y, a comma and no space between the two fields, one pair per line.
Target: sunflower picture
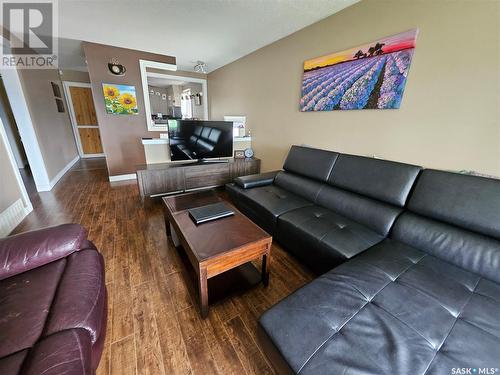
120,99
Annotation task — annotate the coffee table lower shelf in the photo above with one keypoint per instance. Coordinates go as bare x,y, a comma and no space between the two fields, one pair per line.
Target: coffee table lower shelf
229,283
218,254
226,284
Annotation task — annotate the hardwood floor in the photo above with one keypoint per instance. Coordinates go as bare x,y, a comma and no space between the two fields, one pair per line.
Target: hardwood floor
154,326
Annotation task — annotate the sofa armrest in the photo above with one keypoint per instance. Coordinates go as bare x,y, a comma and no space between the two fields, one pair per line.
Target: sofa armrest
29,250
255,180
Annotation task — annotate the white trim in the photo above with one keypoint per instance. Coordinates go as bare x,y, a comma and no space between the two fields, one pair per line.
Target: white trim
20,109
143,64
122,177
155,141
22,188
63,171
12,216
79,84
242,139
90,156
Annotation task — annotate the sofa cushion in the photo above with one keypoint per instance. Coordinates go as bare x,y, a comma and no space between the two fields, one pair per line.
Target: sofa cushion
456,218
67,352
264,204
255,180
25,251
470,202
392,309
310,162
80,298
302,186
25,301
12,364
321,238
374,214
233,191
472,251
384,180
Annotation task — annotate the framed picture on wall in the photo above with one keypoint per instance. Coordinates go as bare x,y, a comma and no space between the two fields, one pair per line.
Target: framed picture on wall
370,76
120,99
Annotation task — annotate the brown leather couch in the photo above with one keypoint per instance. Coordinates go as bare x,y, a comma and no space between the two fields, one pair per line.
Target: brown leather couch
53,304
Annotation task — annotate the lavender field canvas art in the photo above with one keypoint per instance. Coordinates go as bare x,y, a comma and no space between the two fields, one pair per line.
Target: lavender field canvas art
372,76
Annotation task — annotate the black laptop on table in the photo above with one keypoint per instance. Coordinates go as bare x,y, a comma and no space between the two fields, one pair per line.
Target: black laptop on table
210,212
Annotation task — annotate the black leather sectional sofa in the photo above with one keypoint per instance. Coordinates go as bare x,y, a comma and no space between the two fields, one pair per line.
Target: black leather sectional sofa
413,261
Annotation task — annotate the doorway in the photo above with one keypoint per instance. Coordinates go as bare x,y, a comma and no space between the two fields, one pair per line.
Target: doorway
83,119
15,142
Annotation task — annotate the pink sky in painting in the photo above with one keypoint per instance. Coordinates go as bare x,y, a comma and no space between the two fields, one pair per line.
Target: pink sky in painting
392,43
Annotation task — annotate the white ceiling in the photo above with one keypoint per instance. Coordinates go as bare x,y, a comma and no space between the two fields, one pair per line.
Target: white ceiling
164,82
214,31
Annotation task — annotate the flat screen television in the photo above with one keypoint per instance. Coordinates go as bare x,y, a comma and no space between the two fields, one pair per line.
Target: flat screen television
199,140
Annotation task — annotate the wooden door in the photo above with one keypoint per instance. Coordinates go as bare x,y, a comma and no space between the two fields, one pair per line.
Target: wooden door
84,119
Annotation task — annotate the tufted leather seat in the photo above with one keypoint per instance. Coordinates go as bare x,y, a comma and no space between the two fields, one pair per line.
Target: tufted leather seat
295,187
391,310
424,301
323,235
357,198
266,203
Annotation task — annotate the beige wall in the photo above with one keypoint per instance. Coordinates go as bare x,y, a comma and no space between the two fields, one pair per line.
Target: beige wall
53,129
449,117
120,134
10,191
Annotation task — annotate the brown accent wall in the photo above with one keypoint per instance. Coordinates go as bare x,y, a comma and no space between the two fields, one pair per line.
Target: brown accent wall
53,129
450,114
121,135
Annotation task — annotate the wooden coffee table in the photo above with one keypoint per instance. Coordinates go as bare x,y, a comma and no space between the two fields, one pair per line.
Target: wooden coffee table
216,246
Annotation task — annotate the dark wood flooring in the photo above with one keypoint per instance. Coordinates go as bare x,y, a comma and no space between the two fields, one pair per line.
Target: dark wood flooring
154,326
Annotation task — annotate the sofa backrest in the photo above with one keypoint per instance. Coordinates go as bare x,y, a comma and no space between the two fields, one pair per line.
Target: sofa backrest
384,180
310,162
306,170
457,218
370,191
303,186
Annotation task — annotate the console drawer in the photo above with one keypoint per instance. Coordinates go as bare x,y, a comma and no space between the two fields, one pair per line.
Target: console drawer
162,181
206,175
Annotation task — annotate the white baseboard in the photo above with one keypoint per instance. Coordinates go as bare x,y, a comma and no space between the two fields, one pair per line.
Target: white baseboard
123,177
63,171
12,216
90,156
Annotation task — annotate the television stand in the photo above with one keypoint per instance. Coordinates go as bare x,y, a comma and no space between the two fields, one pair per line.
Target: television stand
173,178
212,161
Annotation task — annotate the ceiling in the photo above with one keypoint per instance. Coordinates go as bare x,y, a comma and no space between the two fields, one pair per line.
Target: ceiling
214,31
164,82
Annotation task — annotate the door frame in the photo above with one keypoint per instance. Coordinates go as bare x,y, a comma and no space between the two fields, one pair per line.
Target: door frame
28,207
74,126
19,107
